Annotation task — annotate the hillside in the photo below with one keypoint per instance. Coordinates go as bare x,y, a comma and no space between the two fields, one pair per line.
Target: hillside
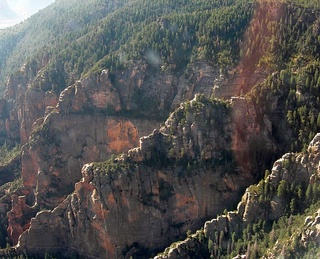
279,216
85,36
138,121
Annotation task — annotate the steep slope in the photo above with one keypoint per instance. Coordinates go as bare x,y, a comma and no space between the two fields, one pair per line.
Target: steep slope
93,119
292,186
139,202
56,22
76,41
111,74
79,36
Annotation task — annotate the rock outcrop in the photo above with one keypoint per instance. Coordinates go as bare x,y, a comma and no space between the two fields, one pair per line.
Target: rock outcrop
293,169
63,143
97,117
91,120
148,197
20,210
311,233
139,89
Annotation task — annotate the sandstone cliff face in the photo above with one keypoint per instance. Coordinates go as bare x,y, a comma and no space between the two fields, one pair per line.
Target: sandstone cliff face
64,143
143,208
52,159
91,120
301,168
139,88
145,198
24,103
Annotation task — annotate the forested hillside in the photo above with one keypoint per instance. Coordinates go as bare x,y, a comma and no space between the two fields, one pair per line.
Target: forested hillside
278,217
73,38
233,84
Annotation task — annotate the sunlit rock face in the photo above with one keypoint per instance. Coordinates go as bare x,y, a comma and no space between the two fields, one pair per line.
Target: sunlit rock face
74,124
148,196
140,90
98,116
52,159
67,144
89,121
112,212
293,168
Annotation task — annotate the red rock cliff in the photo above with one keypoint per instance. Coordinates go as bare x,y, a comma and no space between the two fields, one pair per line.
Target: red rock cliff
122,206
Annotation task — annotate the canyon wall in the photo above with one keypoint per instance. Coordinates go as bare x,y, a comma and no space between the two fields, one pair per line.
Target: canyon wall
98,117
142,200
293,169
89,121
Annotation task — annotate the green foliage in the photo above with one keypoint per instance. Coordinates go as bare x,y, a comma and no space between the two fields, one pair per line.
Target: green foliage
282,189
11,187
80,38
263,236
11,170
293,58
110,166
8,154
206,113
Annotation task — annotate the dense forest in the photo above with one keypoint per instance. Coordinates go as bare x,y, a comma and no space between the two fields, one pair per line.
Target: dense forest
77,42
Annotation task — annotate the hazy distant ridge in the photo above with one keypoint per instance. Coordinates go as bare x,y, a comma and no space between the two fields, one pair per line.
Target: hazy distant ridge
16,11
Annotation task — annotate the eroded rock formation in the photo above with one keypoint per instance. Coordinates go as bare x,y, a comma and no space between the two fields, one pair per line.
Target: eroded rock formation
91,120
96,117
148,197
293,168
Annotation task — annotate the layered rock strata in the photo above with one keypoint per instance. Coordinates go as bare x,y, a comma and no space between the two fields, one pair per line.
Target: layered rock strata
95,118
293,168
146,198
91,120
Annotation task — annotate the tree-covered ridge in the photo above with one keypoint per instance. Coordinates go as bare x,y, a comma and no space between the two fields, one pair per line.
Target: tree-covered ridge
304,3
58,24
164,32
276,39
298,104
80,37
207,35
278,217
74,38
293,62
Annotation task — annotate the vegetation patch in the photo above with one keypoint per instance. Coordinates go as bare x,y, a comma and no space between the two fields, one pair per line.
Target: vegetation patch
8,154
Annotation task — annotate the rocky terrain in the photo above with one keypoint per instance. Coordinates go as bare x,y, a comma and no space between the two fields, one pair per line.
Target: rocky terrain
97,117
106,215
293,169
121,157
